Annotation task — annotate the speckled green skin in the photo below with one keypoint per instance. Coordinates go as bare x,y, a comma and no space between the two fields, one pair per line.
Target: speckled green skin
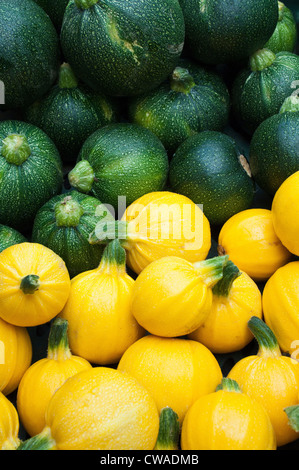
285,34
55,9
207,169
127,159
9,237
174,115
123,47
29,52
25,188
70,115
259,95
227,31
274,150
71,243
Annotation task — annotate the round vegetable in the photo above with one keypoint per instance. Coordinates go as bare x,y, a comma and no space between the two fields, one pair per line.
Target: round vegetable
121,160
274,147
30,172
175,371
122,48
35,284
9,236
45,376
112,411
260,89
9,425
227,419
209,169
64,223
223,31
158,224
191,100
55,9
285,34
250,241
70,112
29,57
269,378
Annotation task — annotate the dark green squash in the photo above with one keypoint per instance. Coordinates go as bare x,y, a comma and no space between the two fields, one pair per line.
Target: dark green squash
9,236
64,223
274,147
209,169
122,48
226,31
29,52
191,100
120,160
285,35
30,172
55,9
70,112
259,90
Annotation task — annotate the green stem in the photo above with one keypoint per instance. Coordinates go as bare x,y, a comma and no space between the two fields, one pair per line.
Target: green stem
228,385
169,430
268,344
290,105
67,77
261,59
68,212
15,149
58,343
293,416
30,284
84,4
230,273
106,231
211,270
181,80
82,176
114,255
42,441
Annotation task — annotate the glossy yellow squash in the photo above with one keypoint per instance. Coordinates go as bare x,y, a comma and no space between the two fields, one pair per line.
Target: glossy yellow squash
281,307
172,297
99,409
159,224
227,419
270,378
98,310
176,371
285,213
236,298
45,376
9,424
34,284
250,241
15,355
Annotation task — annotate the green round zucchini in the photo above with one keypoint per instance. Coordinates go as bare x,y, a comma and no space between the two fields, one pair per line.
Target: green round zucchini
64,223
122,48
29,52
70,112
209,169
285,34
191,100
121,160
55,9
30,172
9,236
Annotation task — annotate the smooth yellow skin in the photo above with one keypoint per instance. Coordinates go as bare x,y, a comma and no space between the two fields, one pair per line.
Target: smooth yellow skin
102,409
100,322
225,329
170,298
274,382
165,224
15,355
249,239
175,371
39,384
285,213
27,310
280,307
226,420
9,424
